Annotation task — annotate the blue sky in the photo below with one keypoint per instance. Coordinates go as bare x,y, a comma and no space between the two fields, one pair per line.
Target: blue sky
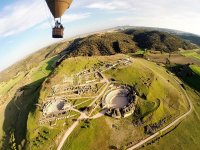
25,25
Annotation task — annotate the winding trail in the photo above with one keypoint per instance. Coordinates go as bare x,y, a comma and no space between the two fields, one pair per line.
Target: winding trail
175,122
82,116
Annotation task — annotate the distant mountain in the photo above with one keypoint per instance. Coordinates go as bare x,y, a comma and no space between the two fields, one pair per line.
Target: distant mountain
193,38
157,40
190,37
33,60
124,40
103,44
127,41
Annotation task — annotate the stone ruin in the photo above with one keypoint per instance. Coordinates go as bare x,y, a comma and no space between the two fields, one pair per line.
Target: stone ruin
128,109
56,105
54,110
75,90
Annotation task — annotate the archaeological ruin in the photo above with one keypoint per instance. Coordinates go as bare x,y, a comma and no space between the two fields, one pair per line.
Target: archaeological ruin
120,101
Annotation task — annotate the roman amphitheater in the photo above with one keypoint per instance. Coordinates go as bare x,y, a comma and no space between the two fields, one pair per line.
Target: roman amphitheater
120,101
55,106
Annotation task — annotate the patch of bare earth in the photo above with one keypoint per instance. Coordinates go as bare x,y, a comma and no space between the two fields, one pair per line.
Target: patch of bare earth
174,58
123,131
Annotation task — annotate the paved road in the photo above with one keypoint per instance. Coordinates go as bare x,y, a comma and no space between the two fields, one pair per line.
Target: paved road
171,124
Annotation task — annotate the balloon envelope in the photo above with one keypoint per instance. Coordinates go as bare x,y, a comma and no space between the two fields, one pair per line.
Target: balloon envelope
58,7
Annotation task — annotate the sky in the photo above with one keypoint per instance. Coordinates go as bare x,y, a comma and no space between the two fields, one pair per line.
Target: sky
25,25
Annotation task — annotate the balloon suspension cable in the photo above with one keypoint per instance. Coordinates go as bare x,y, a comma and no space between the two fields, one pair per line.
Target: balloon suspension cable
47,13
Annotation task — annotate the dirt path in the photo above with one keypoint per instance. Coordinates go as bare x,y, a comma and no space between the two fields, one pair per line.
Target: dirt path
171,124
68,132
101,114
83,116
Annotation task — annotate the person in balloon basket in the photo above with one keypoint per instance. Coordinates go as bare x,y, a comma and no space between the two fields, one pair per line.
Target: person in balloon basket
58,25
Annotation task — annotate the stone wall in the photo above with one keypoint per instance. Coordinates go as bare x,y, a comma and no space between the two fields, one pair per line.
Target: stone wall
127,110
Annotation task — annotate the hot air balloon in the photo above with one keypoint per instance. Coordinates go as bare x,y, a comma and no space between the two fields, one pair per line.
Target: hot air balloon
58,8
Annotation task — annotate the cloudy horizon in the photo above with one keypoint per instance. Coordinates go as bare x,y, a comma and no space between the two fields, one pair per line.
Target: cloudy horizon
26,25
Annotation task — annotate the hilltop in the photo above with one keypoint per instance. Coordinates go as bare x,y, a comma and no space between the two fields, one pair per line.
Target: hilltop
106,43
159,41
193,38
128,41
78,75
159,98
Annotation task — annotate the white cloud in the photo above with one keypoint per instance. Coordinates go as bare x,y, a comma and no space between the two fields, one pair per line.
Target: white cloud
67,18
74,17
102,5
178,14
21,16
145,5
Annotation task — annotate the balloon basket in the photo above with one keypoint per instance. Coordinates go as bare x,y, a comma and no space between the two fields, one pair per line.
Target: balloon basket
57,32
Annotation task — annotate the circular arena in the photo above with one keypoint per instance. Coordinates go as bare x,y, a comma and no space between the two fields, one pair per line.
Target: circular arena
116,98
54,106
120,101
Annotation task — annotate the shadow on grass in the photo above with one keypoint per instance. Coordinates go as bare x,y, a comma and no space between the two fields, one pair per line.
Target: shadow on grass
18,109
51,63
193,82
16,114
187,76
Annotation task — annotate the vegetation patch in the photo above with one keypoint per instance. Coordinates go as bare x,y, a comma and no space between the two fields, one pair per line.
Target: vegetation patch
84,135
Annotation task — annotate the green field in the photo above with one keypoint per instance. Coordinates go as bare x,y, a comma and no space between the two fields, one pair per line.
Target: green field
158,93
186,135
195,69
194,80
90,135
192,54
6,86
45,69
159,96
17,110
152,83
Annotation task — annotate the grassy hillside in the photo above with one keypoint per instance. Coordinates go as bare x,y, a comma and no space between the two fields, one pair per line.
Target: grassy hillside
32,61
158,40
15,112
186,135
190,37
152,83
159,96
103,44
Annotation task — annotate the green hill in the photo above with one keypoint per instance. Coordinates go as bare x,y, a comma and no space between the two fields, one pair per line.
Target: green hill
190,37
103,44
159,98
32,81
160,41
124,42
32,61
